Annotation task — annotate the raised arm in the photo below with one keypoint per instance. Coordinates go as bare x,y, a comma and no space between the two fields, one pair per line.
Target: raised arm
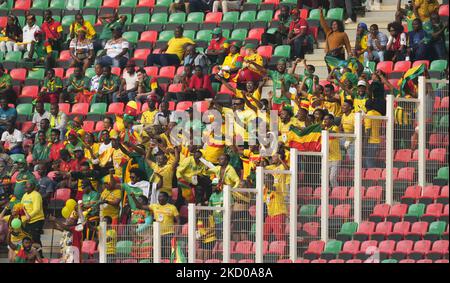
323,23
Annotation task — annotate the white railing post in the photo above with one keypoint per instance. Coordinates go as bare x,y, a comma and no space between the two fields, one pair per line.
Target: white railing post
293,205
325,184
156,242
390,149
422,131
191,233
226,228
102,242
358,167
259,215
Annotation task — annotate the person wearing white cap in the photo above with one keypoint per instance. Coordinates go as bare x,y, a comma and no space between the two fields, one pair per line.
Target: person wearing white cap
359,101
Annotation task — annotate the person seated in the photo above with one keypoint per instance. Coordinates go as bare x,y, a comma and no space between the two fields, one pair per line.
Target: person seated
116,51
226,5
417,42
195,58
81,23
81,50
396,45
28,32
11,139
147,87
110,23
179,6
200,86
172,53
53,30
6,87
52,88
376,45
42,51
38,116
77,88
249,72
232,62
280,35
217,48
11,35
108,87
298,35
129,83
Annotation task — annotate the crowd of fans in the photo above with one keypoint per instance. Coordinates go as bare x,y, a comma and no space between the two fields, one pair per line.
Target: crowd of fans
138,151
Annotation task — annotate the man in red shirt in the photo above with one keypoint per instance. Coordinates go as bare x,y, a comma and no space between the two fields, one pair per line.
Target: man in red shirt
75,164
57,145
298,34
216,51
200,86
53,30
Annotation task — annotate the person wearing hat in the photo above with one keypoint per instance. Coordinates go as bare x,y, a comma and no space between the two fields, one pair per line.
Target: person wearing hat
115,52
128,84
53,30
42,50
361,42
81,23
6,89
361,97
232,62
216,50
81,50
376,45
298,35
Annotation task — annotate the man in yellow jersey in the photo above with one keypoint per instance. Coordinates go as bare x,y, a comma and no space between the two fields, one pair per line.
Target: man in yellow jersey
287,120
111,197
361,97
243,121
372,140
276,219
347,126
163,169
167,215
232,62
172,54
331,101
335,155
191,173
148,116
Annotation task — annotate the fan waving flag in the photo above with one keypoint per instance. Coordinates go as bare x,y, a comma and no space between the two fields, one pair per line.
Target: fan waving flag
177,255
410,75
308,139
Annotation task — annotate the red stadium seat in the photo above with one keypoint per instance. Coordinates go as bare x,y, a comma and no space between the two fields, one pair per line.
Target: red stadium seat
175,88
342,211
386,67
443,196
59,72
213,17
88,126
65,55
421,248
246,261
277,248
380,212
3,22
180,71
374,193
367,248
225,90
111,3
315,248
381,231
167,72
415,156
80,109
284,261
183,105
115,108
265,51
429,194
418,230
433,212
411,195
152,71
64,107
438,250
365,229
213,260
201,106
22,4
338,194
350,249
319,210
424,261
304,13
373,174
402,66
437,154
420,62
255,33
171,105
116,71
149,36
146,3
337,261
407,261
88,247
265,248
441,261
444,103
141,54
302,261
394,173
354,261
386,248
311,229
19,74
62,194
443,10
400,230
436,140
69,72
402,249
30,91
26,125
319,261
403,155
243,248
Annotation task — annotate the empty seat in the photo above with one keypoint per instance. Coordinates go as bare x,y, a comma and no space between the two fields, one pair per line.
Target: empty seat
402,249
438,250
421,248
397,212
433,212
380,212
349,249
314,250
418,230
411,195
429,194
386,248
399,231
381,231
365,229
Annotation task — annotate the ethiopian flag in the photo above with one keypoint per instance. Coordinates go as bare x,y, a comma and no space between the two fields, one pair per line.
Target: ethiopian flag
411,74
308,139
177,255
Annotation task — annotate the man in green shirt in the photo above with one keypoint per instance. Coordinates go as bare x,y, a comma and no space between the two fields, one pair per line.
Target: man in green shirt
41,150
51,90
110,23
108,86
42,51
76,86
90,198
22,178
6,87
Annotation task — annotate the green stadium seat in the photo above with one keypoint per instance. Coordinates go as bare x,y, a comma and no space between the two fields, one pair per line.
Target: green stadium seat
175,20
25,109
21,20
90,72
5,7
96,111
131,36
67,20
435,230
335,14
314,14
245,19
127,6
239,34
39,20
442,176
39,5
47,107
282,51
347,231
75,5
443,122
194,20
166,35
203,35
264,16
18,156
307,212
35,76
229,19
389,261
90,18
415,211
189,33
93,4
123,248
157,21
332,249
162,6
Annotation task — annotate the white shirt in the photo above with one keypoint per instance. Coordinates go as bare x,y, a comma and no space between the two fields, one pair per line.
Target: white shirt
392,40
37,118
144,186
12,139
103,147
28,33
130,80
115,47
94,82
